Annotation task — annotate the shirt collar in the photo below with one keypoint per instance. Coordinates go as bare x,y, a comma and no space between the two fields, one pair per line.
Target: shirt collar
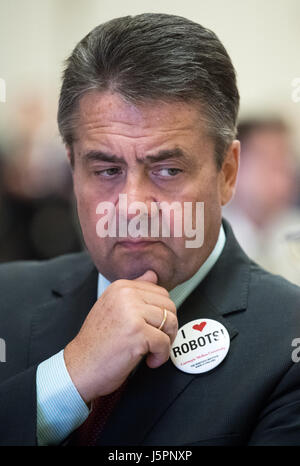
182,291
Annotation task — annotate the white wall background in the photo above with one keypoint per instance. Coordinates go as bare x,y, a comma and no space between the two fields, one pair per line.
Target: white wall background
262,38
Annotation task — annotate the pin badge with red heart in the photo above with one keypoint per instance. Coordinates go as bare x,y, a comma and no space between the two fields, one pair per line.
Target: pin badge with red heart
200,346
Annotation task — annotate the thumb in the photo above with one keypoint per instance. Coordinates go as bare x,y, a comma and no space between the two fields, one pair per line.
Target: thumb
148,276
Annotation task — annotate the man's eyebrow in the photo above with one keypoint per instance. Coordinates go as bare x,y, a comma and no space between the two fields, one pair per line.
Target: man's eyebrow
166,154
95,155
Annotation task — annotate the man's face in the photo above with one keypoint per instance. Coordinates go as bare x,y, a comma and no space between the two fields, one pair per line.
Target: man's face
152,153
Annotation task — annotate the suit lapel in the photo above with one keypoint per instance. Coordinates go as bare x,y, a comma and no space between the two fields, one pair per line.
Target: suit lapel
57,321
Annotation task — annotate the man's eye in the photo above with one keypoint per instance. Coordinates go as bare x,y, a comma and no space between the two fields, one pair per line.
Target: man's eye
168,172
108,172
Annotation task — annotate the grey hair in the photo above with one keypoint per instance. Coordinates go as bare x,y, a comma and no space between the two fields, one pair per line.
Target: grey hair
152,57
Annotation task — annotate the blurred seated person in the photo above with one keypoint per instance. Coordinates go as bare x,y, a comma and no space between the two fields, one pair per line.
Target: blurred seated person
263,213
36,199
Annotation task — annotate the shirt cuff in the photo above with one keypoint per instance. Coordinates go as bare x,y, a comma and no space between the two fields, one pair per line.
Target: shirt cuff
60,408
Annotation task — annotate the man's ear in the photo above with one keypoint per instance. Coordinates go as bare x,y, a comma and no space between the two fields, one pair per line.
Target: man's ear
229,171
70,154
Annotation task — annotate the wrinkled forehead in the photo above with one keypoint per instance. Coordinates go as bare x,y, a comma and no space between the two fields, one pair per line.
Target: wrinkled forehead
111,112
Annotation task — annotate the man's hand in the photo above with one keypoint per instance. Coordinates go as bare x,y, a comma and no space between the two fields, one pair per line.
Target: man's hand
119,330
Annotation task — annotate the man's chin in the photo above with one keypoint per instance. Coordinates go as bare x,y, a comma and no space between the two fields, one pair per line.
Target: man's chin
122,264
133,272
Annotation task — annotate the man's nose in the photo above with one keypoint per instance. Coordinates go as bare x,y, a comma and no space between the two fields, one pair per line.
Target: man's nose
137,188
137,198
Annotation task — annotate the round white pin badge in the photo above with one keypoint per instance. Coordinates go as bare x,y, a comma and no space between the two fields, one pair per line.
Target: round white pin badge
200,346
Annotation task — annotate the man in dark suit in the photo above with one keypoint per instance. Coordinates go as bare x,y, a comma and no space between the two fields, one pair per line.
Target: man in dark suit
148,110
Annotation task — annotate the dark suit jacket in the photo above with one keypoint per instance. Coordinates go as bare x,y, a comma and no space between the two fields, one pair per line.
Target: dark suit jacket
252,397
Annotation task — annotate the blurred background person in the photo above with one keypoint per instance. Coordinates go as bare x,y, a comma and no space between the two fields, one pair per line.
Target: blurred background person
264,212
36,201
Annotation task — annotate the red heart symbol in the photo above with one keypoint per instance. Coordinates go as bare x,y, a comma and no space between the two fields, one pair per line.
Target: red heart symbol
199,327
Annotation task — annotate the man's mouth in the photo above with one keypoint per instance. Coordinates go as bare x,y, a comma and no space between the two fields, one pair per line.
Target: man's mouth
136,243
